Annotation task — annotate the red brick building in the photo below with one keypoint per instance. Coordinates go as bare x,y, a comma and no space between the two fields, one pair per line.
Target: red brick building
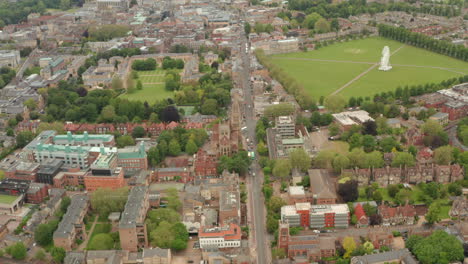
361,216
397,215
456,110
104,173
23,171
305,247
71,177
205,164
36,193
172,174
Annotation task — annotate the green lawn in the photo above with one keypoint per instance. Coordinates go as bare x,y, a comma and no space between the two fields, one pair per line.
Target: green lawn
7,199
153,87
411,65
101,228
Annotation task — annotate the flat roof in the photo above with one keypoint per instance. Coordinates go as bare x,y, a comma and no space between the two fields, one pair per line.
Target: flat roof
7,199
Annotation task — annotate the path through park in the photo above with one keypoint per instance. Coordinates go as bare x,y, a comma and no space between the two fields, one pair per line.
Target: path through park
363,73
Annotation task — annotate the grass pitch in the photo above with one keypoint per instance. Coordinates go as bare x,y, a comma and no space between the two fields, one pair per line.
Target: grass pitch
153,87
326,70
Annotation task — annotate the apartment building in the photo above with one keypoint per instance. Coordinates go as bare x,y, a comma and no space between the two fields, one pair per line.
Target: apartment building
316,216
285,126
72,227
132,227
220,237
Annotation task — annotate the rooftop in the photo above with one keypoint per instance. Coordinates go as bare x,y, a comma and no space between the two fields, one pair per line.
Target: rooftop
78,203
7,199
399,256
134,203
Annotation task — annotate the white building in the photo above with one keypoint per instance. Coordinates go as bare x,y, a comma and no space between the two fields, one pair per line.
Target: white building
220,237
10,58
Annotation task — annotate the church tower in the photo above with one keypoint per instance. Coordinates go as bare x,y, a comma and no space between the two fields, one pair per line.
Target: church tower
283,235
235,115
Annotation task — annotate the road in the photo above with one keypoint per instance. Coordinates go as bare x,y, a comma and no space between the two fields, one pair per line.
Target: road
254,183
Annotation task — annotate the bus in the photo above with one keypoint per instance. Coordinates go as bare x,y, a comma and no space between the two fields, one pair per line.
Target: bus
251,155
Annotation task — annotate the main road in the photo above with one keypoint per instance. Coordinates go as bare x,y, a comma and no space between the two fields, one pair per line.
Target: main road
255,182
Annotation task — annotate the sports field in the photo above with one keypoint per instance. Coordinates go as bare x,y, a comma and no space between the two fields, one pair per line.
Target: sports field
153,87
351,68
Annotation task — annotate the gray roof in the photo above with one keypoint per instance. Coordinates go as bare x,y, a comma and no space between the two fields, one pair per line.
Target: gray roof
390,256
74,258
78,204
151,252
133,206
172,169
440,115
229,200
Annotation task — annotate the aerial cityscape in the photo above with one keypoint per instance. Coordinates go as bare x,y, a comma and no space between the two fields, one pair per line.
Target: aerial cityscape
233,131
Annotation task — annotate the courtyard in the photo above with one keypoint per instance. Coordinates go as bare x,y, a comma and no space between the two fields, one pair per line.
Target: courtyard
153,87
351,68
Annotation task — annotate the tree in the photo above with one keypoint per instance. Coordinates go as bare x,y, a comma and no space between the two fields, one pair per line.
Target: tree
432,128
375,219
387,144
300,159
17,251
116,83
368,143
349,191
393,189
43,234
105,201
174,147
322,26
439,247
58,254
373,160
349,246
101,241
282,168
173,201
139,85
130,85
40,255
65,4
138,132
247,28
433,214
275,203
368,247
356,158
324,159
310,20
335,103
170,114
31,104
23,138
191,148
403,196
272,224
163,214
162,236
403,159
108,114
443,155
377,196
209,107
369,128
340,162
124,141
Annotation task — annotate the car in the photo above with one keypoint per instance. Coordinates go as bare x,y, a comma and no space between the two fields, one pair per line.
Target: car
316,231
333,138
